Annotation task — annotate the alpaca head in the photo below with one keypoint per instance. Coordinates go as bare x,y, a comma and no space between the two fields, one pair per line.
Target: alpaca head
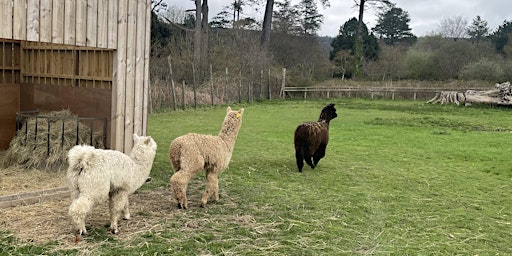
232,122
144,148
328,113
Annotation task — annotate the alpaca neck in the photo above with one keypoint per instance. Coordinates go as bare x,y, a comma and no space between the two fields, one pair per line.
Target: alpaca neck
141,158
228,134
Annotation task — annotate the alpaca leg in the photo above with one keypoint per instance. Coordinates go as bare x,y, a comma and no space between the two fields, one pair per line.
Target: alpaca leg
126,211
118,202
299,157
319,154
212,187
309,161
78,210
179,182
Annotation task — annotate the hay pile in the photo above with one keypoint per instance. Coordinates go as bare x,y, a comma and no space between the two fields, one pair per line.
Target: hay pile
29,148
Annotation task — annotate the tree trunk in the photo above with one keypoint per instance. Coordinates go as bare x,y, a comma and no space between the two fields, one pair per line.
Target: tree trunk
500,95
359,42
203,67
197,34
267,24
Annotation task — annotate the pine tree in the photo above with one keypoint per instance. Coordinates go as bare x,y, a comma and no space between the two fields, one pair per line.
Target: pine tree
346,42
478,29
310,19
393,27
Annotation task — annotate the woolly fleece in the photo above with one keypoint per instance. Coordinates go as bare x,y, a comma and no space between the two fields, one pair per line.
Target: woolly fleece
194,152
95,175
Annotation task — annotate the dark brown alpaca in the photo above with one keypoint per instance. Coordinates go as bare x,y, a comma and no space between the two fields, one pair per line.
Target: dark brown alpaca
311,138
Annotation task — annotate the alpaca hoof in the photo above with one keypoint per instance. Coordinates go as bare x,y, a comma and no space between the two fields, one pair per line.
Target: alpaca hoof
203,205
114,231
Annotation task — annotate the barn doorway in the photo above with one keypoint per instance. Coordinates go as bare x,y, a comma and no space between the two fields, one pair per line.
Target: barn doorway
53,77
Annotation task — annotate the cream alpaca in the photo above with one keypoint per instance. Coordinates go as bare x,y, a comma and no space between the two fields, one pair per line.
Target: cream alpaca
193,152
96,174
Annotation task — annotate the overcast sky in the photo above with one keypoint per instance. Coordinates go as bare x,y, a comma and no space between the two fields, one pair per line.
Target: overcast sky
425,14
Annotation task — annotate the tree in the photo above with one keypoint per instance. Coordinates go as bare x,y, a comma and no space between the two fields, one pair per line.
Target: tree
286,18
310,19
393,27
502,37
346,40
453,27
478,29
360,37
201,31
267,24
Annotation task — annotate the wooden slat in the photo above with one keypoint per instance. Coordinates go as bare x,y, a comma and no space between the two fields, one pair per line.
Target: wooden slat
70,22
112,24
118,86
102,28
92,23
33,20
45,24
130,74
6,12
81,25
147,52
20,20
139,69
58,20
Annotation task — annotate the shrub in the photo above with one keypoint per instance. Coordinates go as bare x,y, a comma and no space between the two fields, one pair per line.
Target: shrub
483,69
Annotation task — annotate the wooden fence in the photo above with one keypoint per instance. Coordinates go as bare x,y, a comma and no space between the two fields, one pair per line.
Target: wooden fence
408,93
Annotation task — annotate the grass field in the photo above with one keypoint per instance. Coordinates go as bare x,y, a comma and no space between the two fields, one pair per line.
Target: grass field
399,178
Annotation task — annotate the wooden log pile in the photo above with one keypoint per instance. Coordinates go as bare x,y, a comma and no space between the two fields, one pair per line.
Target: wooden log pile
501,94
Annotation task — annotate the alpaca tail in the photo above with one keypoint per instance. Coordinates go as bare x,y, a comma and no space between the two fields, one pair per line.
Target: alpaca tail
80,158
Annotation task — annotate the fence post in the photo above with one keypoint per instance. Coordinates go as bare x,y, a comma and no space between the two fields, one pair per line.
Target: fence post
250,87
172,83
240,87
283,83
269,87
226,94
211,82
194,85
183,95
261,85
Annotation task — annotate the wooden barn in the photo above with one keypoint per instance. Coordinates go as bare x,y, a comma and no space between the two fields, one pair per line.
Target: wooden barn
88,56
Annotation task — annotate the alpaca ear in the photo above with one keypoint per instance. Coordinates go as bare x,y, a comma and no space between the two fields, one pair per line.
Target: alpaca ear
135,137
239,113
228,109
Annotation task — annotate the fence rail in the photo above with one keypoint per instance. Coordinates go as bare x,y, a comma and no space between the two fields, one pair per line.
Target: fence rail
414,93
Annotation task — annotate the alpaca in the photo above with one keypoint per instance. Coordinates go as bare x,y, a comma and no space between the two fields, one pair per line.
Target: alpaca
97,174
311,138
193,152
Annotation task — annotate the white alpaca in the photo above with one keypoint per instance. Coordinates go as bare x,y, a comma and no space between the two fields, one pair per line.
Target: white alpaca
97,174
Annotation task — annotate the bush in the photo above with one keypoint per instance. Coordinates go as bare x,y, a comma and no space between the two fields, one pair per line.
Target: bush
483,69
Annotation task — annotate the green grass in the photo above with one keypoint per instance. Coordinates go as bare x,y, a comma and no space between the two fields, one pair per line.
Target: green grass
399,177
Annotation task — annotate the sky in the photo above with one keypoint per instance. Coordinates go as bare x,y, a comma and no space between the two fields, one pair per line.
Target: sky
426,15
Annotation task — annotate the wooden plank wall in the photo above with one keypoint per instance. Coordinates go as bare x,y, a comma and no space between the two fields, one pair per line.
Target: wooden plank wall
121,25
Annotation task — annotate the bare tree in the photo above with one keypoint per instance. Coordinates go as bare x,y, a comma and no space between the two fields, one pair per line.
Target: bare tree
453,27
